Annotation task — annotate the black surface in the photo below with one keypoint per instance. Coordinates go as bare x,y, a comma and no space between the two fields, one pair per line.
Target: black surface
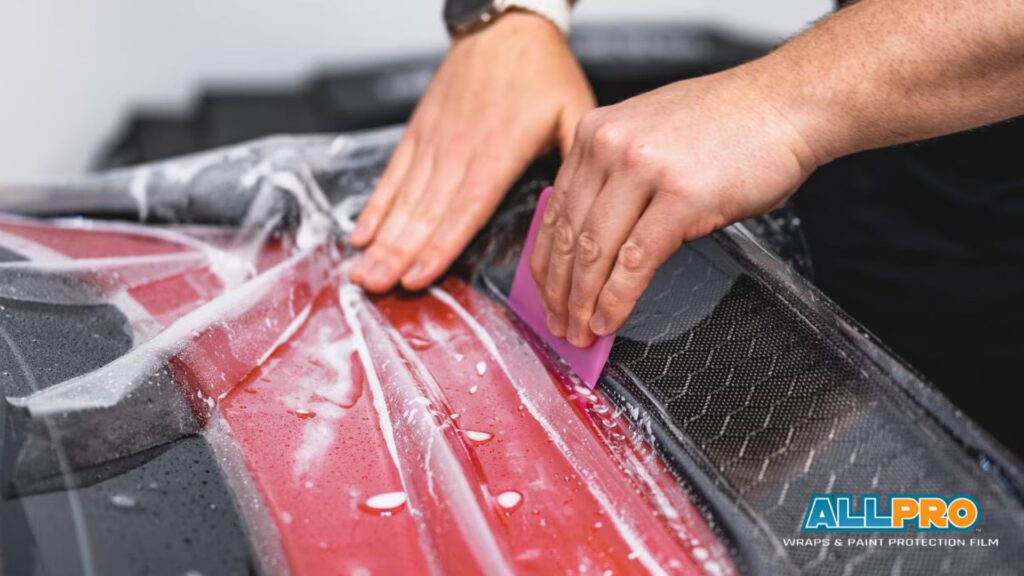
168,513
924,244
620,61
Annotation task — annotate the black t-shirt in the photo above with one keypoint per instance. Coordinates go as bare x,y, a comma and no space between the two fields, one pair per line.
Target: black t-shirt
924,244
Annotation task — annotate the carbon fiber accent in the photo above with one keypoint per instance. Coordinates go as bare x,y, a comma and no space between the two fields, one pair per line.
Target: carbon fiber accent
759,393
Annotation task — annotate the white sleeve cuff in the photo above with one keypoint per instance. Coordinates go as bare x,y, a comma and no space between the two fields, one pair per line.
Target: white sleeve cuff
557,11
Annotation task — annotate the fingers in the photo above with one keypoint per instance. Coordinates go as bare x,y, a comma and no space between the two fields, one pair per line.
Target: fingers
376,265
479,195
559,232
652,241
491,172
566,174
384,195
409,227
542,244
612,217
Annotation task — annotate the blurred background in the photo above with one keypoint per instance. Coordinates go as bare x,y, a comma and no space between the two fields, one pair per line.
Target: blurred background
78,75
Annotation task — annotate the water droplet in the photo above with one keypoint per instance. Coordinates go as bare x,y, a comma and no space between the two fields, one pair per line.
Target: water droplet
304,414
477,438
598,524
509,501
599,408
582,390
286,517
123,501
608,423
481,368
473,389
700,554
385,503
418,343
459,357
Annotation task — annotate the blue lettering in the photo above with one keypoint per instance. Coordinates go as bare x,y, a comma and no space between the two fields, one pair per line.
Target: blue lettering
820,515
872,518
847,519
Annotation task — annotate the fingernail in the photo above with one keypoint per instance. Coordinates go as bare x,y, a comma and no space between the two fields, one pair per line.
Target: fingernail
574,336
358,232
553,326
379,271
599,324
415,271
413,274
356,269
366,262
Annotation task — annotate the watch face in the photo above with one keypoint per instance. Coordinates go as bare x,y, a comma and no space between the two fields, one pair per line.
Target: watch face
466,12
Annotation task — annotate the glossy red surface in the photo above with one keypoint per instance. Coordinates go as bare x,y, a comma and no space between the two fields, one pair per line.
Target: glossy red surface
409,433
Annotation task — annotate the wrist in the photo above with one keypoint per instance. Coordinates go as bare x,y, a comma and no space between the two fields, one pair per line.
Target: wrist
782,113
829,109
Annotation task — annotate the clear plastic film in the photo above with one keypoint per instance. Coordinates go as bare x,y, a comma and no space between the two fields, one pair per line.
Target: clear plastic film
234,311
254,282
734,392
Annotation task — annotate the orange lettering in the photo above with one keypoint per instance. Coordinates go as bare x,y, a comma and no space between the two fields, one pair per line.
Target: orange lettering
903,509
962,513
933,513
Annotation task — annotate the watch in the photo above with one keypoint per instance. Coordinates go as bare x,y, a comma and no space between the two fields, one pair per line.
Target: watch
469,15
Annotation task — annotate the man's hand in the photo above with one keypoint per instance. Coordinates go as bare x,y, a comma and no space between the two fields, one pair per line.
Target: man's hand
648,174
500,98
663,168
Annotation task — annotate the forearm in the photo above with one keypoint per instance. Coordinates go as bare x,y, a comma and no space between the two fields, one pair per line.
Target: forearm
884,72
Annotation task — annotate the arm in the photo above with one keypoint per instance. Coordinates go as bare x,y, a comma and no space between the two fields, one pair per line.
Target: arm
674,164
884,72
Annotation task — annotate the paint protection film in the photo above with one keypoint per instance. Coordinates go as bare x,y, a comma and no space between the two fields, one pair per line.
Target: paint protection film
431,432
404,433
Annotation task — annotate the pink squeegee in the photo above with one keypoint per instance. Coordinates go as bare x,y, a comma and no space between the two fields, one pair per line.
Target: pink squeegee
524,299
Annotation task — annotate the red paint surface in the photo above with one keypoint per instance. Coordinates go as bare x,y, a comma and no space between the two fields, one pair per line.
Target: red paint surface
313,443
82,242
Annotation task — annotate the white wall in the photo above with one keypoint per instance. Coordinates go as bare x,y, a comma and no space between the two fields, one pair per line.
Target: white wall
72,69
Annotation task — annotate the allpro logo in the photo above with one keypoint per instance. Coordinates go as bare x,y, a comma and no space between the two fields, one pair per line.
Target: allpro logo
840,513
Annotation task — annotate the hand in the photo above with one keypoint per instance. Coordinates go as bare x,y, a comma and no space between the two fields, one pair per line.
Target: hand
500,98
648,174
